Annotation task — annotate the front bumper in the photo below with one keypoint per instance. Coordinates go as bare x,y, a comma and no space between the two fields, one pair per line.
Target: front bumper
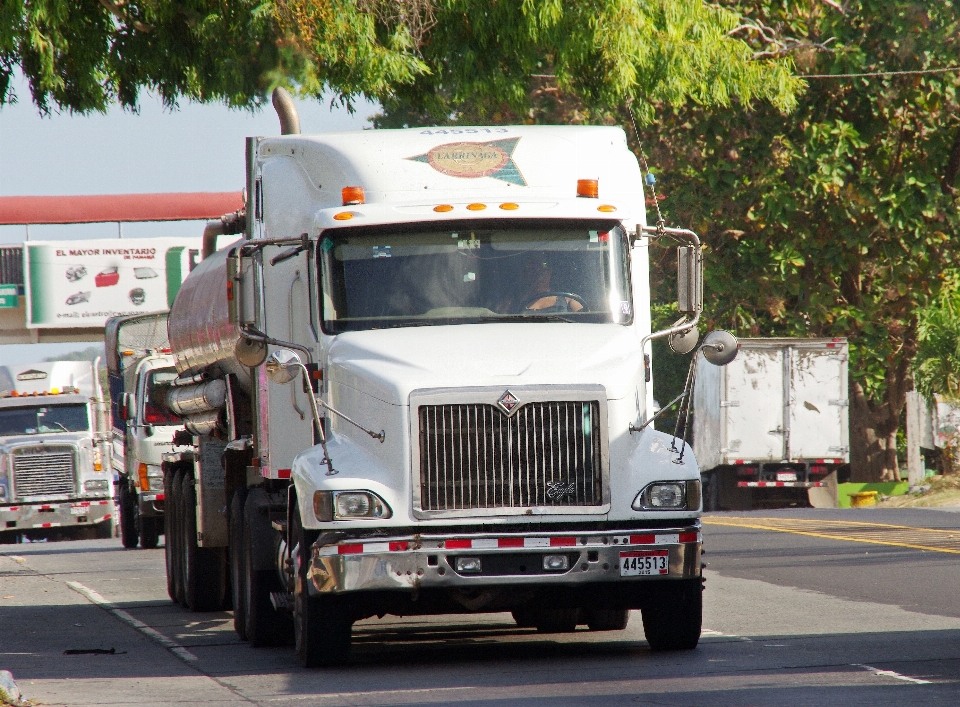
151,504
421,561
55,514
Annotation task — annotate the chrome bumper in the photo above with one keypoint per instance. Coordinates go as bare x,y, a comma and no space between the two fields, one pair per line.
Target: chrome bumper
151,504
56,514
420,562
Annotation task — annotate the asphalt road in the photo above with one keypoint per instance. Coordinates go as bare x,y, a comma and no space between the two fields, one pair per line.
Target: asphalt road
793,616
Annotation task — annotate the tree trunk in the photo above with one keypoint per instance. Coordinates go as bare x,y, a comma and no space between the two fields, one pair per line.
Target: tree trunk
873,434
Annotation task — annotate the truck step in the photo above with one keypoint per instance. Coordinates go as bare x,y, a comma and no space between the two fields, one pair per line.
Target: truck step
280,526
282,601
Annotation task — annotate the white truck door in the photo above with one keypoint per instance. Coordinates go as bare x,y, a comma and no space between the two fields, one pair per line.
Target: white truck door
752,406
284,417
818,401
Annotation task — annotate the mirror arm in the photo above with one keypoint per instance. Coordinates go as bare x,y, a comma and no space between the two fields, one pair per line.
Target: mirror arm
634,428
251,332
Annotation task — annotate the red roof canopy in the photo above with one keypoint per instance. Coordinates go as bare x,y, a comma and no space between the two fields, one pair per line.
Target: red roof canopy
106,208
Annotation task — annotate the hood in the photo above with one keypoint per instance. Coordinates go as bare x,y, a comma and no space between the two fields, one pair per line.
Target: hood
390,363
75,439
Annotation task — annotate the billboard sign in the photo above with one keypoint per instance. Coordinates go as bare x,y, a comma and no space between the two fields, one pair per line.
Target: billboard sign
8,297
83,283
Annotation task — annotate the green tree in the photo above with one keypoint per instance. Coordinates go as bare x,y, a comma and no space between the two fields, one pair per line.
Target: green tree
422,59
838,219
936,368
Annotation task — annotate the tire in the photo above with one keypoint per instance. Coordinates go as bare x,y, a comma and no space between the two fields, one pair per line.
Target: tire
149,532
607,619
672,615
176,538
169,533
204,568
557,620
265,626
525,617
127,505
322,625
238,568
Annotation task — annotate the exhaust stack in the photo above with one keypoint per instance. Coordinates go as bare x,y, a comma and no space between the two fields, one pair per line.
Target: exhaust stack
286,111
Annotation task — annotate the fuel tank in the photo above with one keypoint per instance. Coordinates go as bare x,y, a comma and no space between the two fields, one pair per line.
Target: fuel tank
201,335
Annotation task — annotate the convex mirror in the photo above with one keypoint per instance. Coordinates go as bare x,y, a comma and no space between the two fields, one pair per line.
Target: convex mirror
283,365
720,347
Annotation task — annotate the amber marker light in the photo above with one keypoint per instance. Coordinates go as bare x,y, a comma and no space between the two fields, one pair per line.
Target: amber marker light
443,208
588,188
352,196
509,206
606,208
476,207
343,216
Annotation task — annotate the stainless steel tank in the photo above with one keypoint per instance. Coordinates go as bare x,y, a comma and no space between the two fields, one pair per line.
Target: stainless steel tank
201,335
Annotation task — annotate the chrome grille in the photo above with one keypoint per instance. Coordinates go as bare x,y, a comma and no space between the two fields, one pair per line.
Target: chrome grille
44,472
545,454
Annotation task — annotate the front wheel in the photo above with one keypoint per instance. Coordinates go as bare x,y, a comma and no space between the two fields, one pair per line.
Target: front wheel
672,615
127,505
322,625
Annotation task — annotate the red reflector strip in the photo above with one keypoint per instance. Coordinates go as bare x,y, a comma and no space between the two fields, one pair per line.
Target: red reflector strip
643,539
46,508
107,516
160,497
11,508
283,473
458,544
781,484
399,546
349,549
49,525
688,537
562,542
82,504
510,542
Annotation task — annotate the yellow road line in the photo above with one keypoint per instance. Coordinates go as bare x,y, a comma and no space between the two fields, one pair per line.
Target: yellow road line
850,531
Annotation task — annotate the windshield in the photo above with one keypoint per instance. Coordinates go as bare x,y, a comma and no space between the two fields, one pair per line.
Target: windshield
474,272
43,420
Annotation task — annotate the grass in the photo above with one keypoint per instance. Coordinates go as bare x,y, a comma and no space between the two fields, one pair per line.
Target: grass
944,491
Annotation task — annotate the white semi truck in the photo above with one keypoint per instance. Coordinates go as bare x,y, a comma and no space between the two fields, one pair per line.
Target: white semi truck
54,457
771,428
417,385
140,369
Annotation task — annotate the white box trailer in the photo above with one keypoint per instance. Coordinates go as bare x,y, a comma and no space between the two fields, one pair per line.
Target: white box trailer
773,423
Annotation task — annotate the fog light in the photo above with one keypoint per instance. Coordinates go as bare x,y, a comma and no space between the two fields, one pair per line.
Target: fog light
95,485
468,565
556,563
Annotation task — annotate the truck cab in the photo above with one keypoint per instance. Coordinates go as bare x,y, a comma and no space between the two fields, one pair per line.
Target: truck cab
54,460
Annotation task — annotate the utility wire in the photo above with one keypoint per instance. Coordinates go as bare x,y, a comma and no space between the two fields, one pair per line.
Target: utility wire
918,72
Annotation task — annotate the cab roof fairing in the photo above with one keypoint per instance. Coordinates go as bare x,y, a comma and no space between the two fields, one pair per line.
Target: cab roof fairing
539,163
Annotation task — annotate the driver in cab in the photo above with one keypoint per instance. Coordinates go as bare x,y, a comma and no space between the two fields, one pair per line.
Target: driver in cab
535,291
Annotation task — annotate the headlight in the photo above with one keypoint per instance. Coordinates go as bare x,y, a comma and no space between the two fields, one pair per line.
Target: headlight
340,505
669,496
95,485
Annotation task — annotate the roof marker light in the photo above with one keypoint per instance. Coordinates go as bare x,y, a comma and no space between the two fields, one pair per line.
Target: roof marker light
343,216
352,196
509,206
588,188
443,208
607,208
476,207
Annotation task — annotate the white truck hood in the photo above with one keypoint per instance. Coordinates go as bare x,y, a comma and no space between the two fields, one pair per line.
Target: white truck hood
76,439
390,363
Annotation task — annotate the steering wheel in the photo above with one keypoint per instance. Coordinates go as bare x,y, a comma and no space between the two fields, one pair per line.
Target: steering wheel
561,306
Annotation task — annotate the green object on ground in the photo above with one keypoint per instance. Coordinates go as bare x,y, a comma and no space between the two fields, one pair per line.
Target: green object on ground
887,488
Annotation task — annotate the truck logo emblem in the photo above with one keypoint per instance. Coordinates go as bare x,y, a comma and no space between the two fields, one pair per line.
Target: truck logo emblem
32,375
557,490
508,401
475,159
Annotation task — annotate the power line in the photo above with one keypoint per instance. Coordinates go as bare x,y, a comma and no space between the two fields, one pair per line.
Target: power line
946,70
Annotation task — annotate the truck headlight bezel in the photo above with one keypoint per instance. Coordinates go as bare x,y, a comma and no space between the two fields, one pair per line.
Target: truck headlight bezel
669,496
329,506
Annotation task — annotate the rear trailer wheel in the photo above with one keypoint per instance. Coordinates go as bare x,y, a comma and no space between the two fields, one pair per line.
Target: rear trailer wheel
265,626
238,572
607,619
672,615
204,585
127,506
323,624
169,517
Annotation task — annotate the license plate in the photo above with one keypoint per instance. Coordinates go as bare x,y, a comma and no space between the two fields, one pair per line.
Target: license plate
786,476
78,510
638,563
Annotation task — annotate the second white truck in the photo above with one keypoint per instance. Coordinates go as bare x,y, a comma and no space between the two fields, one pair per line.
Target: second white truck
773,424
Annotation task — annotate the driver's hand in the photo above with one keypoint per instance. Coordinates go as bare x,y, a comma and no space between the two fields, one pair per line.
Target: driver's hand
551,301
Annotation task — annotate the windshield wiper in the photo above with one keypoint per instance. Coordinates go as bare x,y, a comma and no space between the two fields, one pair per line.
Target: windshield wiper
524,318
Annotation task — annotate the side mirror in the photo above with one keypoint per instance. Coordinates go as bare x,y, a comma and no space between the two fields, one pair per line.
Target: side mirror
720,347
685,341
689,280
283,366
128,406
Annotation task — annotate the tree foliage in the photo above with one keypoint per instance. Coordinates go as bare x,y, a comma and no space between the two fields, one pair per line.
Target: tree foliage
937,364
839,219
424,60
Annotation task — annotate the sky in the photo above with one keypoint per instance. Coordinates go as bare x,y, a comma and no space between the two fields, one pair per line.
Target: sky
196,148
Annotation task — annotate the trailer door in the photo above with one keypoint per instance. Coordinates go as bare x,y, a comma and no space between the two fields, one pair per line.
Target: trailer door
753,409
818,401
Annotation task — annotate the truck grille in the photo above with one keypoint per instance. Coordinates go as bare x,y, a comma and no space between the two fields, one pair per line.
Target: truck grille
44,472
474,456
